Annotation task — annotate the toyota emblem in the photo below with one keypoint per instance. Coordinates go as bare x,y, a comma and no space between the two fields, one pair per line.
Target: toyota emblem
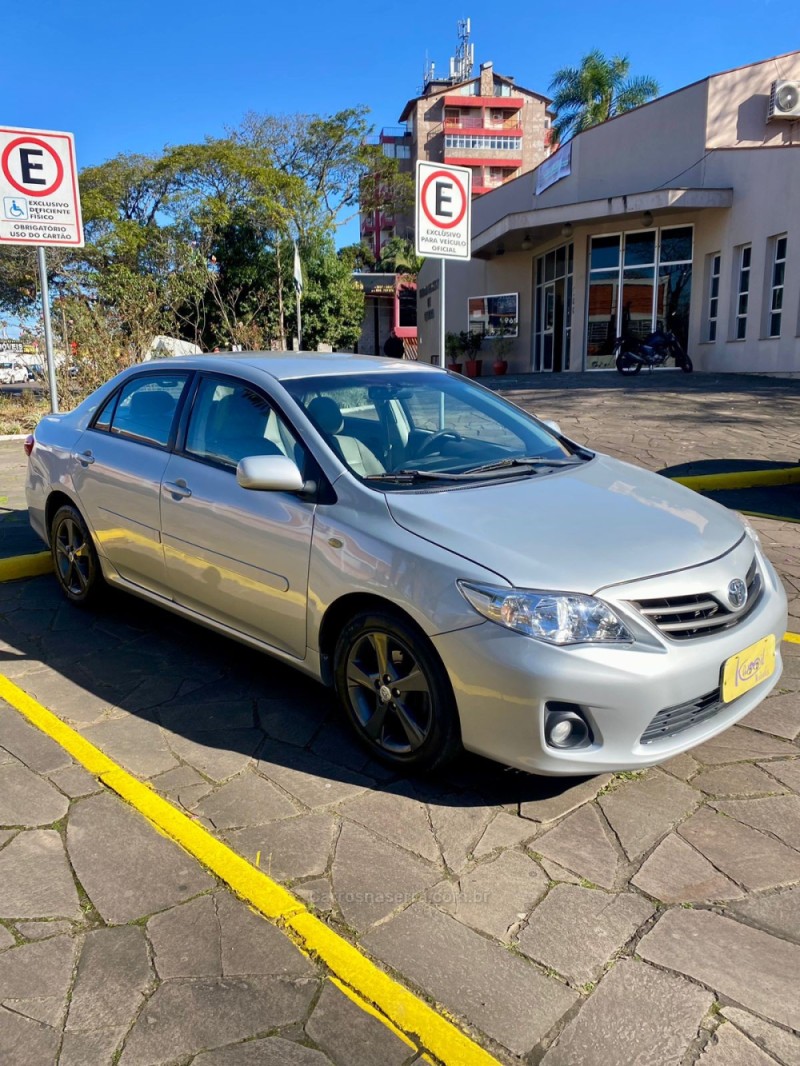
737,593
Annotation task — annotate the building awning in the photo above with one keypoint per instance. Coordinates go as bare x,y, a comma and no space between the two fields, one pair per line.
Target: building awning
541,224
480,161
501,103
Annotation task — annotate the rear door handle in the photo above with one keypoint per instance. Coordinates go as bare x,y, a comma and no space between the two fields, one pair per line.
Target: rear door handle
177,488
83,457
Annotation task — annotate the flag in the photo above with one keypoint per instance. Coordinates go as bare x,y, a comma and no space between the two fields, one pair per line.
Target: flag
298,272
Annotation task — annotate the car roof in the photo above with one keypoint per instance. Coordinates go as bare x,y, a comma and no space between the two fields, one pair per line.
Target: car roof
287,365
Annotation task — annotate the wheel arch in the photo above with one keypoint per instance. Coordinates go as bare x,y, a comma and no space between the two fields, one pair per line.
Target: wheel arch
55,500
348,606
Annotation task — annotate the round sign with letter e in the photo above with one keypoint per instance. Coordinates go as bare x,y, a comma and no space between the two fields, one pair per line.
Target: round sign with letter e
39,200
444,209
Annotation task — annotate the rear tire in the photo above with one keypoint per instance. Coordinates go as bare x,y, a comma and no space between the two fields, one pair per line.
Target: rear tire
396,693
75,559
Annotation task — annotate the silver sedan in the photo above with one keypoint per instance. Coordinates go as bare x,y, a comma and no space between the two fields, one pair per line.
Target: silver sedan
458,571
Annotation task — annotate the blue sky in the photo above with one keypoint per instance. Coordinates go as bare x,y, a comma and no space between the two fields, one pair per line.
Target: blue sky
132,77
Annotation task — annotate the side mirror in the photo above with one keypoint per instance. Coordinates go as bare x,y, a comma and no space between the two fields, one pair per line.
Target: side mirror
556,428
270,473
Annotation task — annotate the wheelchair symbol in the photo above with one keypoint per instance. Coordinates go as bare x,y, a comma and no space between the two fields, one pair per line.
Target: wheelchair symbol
15,207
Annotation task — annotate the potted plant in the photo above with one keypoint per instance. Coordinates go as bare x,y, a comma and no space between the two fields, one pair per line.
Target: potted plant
453,348
503,343
471,343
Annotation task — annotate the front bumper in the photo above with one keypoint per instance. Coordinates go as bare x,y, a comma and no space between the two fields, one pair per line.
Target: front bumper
502,681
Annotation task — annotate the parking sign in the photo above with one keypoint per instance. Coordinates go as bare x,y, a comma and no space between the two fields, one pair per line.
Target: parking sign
443,211
39,200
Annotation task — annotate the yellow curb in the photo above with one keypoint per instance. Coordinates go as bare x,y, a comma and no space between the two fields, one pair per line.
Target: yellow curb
388,1000
741,479
793,638
772,517
25,566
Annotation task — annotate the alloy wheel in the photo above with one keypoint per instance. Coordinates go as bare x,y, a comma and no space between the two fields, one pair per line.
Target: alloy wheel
73,557
389,693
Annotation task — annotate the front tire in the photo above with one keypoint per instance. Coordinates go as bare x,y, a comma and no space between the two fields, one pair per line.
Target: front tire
74,557
396,693
626,364
686,365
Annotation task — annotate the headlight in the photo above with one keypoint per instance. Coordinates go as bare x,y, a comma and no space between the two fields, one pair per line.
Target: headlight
554,617
750,531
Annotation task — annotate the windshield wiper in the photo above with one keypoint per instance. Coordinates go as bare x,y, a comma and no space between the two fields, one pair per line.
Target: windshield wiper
531,461
409,477
527,464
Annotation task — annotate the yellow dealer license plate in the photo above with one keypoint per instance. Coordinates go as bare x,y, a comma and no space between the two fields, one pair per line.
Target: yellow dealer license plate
747,669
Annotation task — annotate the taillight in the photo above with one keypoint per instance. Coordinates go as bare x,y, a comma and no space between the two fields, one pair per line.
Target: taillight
29,443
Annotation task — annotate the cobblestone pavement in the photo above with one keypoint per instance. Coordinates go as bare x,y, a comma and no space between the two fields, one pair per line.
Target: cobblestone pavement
650,917
117,946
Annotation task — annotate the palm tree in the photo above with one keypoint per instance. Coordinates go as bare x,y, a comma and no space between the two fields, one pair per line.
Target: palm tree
398,257
594,92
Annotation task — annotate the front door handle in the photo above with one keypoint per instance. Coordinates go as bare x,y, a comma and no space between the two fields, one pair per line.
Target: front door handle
178,489
86,458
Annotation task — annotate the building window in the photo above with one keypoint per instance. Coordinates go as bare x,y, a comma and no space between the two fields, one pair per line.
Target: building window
638,282
494,316
498,143
775,304
742,292
715,262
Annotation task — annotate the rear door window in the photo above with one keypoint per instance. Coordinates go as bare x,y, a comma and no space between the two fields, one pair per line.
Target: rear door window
146,408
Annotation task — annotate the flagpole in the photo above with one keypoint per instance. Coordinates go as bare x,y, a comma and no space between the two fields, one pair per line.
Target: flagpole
298,288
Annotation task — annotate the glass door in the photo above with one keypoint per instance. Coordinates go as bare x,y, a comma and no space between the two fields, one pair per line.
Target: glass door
552,335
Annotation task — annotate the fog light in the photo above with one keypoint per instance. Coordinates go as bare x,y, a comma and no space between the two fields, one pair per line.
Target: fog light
566,727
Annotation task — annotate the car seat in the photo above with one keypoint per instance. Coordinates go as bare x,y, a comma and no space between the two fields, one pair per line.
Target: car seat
240,420
326,414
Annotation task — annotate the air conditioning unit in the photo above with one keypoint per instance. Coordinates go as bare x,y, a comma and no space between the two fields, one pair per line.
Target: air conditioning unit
784,100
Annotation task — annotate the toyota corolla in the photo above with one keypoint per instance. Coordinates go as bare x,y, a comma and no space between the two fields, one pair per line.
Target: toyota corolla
461,573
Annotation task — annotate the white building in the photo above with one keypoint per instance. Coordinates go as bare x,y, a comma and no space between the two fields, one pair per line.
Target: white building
684,213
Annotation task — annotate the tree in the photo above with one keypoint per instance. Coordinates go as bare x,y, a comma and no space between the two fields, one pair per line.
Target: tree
358,256
399,257
594,92
332,304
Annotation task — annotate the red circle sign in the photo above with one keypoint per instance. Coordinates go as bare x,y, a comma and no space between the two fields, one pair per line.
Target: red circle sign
4,163
452,178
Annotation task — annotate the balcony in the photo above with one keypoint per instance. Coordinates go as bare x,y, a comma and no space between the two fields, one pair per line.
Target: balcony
482,124
368,224
394,133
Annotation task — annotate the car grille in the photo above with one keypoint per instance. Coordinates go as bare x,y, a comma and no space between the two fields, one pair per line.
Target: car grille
685,617
674,720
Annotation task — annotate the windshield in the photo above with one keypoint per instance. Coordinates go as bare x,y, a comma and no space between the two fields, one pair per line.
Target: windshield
392,428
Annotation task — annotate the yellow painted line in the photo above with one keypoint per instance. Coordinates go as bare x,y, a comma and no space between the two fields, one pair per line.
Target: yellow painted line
741,479
25,566
389,1001
772,517
793,638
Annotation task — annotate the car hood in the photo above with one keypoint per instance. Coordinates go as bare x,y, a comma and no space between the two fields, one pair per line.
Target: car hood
575,530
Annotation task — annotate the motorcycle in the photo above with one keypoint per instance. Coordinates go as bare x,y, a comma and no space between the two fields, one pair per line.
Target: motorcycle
631,354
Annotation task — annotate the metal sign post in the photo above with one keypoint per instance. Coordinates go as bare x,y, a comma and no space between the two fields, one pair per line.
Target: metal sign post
443,223
40,205
48,333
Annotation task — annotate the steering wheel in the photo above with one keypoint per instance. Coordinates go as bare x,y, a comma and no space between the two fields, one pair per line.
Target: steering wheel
430,443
